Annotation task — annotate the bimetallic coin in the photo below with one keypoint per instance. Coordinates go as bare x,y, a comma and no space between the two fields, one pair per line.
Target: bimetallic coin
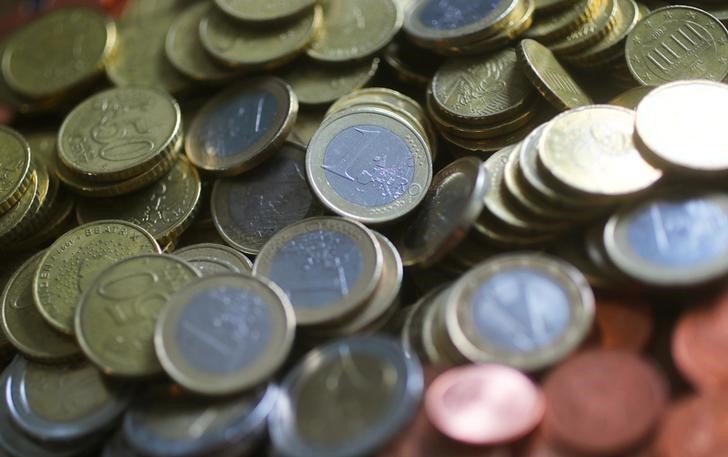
328,267
164,424
249,209
671,240
344,377
58,52
213,259
369,165
264,10
242,126
225,334
14,167
73,261
676,43
679,126
23,325
523,310
318,84
119,133
116,315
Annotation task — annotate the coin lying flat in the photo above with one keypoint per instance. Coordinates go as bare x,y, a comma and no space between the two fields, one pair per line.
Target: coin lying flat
692,427
264,10
346,374
14,167
72,262
225,334
318,84
242,126
213,259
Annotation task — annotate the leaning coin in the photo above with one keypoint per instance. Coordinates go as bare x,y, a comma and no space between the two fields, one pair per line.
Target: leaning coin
14,167
212,259
249,209
347,374
225,334
72,262
242,126
318,84
116,315
23,324
264,10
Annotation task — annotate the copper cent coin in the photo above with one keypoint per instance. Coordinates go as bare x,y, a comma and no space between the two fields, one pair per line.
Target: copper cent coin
695,427
624,323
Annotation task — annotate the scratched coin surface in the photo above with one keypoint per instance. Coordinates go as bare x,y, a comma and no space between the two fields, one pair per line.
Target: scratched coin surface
249,209
23,325
369,165
71,263
225,334
264,10
119,133
318,84
116,316
164,209
14,167
212,259
242,126
328,409
58,52
677,43
328,267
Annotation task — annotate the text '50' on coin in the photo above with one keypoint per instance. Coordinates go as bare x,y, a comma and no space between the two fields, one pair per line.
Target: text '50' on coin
242,126
211,259
328,267
369,164
225,334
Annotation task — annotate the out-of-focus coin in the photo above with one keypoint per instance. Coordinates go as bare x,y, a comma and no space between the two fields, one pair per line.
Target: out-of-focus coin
249,209
225,334
73,261
328,267
671,240
264,10
319,84
631,98
677,43
119,133
213,259
15,222
43,146
453,203
164,424
116,316
58,222
693,427
58,52
590,416
368,164
492,311
347,374
624,323
117,446
307,123
590,32
354,29
24,326
412,340
164,209
495,404
547,6
15,170
242,126
678,126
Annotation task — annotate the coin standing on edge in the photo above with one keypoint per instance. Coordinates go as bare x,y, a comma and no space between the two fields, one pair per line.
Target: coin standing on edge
211,259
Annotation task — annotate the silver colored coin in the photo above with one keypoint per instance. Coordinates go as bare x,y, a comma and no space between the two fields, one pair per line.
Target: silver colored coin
211,259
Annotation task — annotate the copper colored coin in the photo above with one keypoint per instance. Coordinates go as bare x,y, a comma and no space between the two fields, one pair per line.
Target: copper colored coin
484,404
624,323
603,402
695,427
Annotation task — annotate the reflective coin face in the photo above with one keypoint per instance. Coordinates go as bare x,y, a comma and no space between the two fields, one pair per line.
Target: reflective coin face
211,259
435,20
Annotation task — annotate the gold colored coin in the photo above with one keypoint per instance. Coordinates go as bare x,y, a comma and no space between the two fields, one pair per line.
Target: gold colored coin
24,326
611,47
560,24
308,122
14,223
631,98
72,262
57,222
548,6
58,52
43,147
590,150
264,10
242,45
678,43
590,32
549,77
116,316
213,259
317,84
15,172
354,29
119,133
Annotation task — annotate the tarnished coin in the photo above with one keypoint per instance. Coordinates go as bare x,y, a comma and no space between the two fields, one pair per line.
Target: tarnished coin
368,164
15,170
164,424
242,126
524,310
213,259
453,203
249,209
23,325
58,52
319,84
117,314
15,222
119,133
72,262
264,10
676,43
328,267
164,209
225,334
671,240
549,77
348,374
354,29
679,126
